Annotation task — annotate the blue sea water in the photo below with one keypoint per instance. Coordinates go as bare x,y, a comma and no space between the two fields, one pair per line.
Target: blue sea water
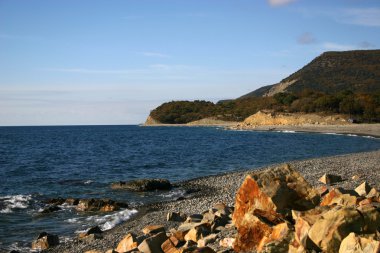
37,163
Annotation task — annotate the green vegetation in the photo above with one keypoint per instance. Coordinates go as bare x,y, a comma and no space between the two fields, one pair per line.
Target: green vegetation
335,82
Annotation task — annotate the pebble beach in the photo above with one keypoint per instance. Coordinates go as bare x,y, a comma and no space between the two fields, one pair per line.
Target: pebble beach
222,188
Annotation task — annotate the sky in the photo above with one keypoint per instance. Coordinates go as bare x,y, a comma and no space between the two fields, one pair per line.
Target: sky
110,62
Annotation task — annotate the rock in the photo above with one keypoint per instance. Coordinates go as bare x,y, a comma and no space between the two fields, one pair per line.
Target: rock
331,227
174,216
153,243
373,193
330,179
227,242
55,201
93,230
322,190
278,241
198,232
50,209
203,250
153,229
45,241
91,237
336,196
363,189
355,177
169,247
72,202
357,244
278,190
142,185
128,243
194,218
206,240
93,251
99,205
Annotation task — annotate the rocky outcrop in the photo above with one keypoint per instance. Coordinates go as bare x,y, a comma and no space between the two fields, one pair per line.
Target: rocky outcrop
270,118
151,121
142,185
99,205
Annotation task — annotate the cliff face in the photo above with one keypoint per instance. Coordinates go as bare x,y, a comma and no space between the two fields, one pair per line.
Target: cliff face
265,118
151,122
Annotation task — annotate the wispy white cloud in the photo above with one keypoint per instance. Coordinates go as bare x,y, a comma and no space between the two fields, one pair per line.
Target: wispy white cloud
154,54
366,45
331,46
306,38
360,16
276,3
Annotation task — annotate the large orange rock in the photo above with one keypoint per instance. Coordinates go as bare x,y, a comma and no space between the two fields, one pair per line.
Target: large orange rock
276,190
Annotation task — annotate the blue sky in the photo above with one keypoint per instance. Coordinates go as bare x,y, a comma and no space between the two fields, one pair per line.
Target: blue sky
111,62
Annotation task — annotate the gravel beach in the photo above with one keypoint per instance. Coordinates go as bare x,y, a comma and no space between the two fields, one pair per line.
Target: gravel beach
222,188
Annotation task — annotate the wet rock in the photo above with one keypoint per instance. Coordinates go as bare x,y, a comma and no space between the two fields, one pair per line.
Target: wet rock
72,202
56,201
45,241
153,243
50,209
174,216
363,189
359,244
330,179
153,229
128,243
99,205
142,185
94,230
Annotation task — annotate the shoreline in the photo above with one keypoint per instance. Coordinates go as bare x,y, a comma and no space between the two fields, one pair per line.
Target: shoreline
222,188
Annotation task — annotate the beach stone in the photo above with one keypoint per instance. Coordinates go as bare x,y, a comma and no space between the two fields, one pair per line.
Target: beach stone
334,225
339,197
278,190
206,240
198,232
355,177
129,242
363,189
142,185
359,244
278,241
72,202
93,230
93,251
175,216
169,247
330,179
203,250
153,229
45,241
373,194
153,243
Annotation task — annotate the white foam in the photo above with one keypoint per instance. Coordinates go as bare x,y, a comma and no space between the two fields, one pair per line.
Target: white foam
88,182
117,218
173,194
286,131
15,202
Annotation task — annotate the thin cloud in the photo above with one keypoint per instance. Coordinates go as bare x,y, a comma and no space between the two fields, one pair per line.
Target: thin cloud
277,3
154,54
306,39
366,45
331,46
361,16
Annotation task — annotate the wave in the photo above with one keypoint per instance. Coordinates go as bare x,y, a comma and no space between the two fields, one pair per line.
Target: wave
173,194
105,222
10,202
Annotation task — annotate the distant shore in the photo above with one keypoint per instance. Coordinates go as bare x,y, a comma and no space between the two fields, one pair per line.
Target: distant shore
223,187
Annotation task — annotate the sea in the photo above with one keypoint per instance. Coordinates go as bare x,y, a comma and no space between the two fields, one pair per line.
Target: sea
39,163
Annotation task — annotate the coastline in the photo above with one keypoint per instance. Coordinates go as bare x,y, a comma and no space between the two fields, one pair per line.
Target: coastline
222,188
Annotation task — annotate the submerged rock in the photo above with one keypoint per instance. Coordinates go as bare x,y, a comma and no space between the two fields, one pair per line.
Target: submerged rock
99,205
142,185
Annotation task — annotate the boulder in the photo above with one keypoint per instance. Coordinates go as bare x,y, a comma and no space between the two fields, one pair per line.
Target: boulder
174,216
227,242
363,189
142,185
169,247
278,241
45,241
153,229
198,232
99,205
93,230
339,197
128,243
334,225
153,243
359,244
330,179
373,193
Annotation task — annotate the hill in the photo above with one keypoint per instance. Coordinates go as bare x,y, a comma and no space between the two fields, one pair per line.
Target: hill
333,83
